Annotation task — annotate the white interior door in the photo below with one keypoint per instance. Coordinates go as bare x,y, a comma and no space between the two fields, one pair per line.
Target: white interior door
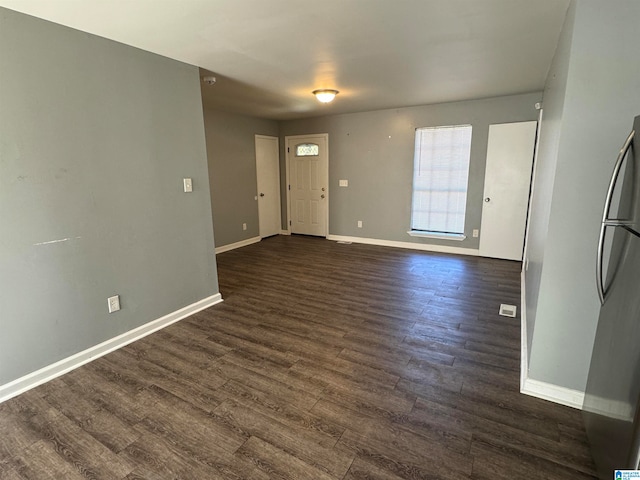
268,181
308,164
506,189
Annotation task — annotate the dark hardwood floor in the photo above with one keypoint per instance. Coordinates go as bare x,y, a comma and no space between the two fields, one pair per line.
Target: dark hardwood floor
325,361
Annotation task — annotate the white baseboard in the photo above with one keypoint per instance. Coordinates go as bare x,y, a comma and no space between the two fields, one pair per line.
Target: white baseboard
285,232
553,393
241,243
410,245
43,375
536,388
524,349
607,407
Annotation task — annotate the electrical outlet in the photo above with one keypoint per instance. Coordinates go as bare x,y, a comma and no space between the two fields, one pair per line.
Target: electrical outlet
343,183
359,223
244,226
114,303
476,232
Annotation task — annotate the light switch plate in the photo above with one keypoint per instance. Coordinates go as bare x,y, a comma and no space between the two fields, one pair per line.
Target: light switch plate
344,183
188,185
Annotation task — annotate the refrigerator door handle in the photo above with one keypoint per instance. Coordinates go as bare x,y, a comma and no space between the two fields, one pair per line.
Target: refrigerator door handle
599,279
615,174
606,221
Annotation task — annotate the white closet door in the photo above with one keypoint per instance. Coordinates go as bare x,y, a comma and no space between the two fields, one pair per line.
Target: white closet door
506,189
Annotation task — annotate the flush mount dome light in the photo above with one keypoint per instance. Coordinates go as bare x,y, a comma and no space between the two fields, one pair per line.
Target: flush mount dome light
325,95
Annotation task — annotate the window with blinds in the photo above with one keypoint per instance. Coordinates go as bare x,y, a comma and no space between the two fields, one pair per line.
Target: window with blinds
440,178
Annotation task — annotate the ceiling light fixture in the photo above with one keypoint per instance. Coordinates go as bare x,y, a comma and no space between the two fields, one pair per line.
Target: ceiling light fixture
325,95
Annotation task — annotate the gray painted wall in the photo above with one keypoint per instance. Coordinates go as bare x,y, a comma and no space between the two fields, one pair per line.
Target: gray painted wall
545,170
232,172
95,138
602,96
374,151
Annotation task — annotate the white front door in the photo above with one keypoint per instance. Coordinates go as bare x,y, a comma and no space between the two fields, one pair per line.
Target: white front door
308,174
507,183
268,181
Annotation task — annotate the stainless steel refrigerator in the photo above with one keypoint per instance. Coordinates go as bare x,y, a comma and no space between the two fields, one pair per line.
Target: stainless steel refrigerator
612,406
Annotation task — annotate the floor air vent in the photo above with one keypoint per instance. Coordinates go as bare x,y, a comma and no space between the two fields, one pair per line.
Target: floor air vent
508,310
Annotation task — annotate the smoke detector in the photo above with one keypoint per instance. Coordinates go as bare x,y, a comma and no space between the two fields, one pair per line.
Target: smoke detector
209,80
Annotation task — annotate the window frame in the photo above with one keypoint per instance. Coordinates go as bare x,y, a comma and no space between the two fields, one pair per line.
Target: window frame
463,160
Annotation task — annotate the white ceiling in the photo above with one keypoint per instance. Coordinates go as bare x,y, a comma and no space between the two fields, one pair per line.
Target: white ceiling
268,55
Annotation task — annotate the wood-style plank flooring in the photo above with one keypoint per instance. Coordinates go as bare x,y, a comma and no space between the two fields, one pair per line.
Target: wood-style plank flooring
325,361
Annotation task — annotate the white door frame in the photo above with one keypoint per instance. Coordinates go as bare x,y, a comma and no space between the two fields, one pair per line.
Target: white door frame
525,253
278,191
324,136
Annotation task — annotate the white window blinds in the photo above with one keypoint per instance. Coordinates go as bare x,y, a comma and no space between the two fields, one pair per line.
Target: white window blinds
440,178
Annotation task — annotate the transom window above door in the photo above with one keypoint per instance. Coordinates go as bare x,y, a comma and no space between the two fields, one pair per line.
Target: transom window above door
307,150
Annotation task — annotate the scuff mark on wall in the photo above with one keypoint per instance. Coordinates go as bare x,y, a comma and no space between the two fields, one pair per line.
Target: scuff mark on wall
56,241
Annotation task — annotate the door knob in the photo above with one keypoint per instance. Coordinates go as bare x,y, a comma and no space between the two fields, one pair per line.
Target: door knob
323,189
487,199
322,196
262,194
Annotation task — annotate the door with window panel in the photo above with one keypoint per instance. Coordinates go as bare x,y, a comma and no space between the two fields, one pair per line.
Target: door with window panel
308,177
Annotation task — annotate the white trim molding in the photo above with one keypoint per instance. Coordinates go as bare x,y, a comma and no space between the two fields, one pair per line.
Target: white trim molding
536,388
428,247
439,235
285,232
524,349
611,408
45,374
241,243
553,393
